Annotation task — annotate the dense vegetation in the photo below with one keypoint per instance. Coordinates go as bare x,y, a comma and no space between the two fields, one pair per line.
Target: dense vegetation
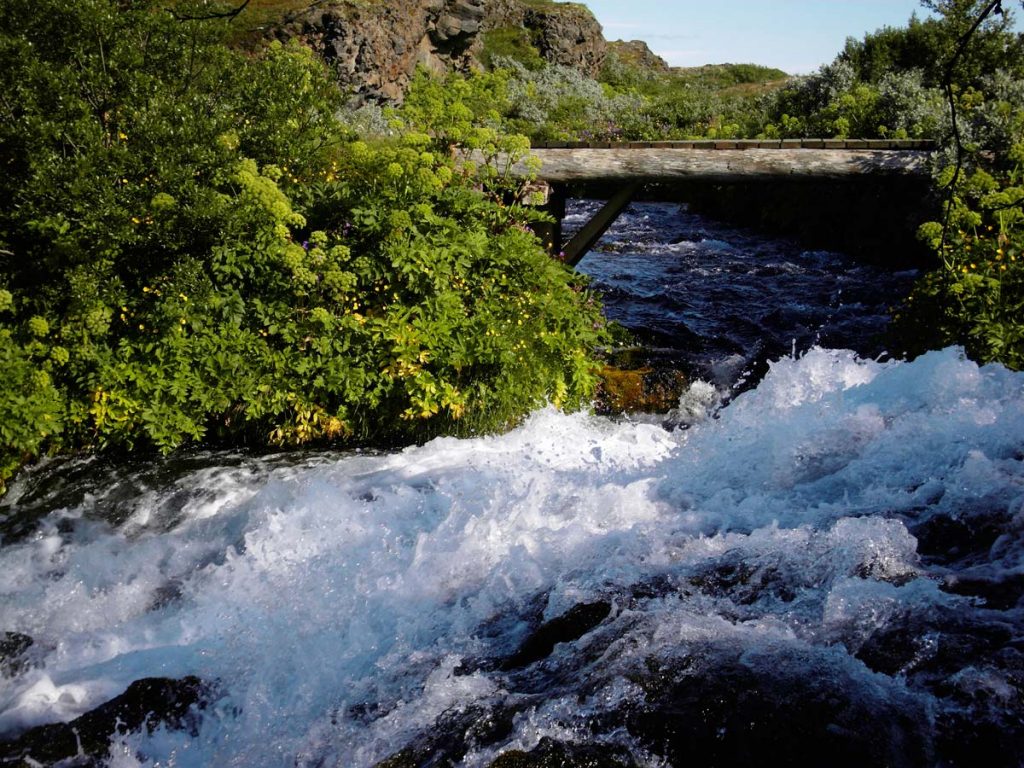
888,85
891,84
196,246
975,297
193,248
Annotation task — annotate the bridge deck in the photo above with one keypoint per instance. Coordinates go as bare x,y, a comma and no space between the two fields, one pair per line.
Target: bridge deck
672,163
889,144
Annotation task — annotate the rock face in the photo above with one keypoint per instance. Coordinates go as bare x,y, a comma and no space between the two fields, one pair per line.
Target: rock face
568,35
638,54
375,48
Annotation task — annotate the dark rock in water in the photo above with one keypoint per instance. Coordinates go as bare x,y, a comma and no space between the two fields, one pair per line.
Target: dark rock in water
1001,592
13,646
552,754
148,703
572,625
453,735
743,582
965,741
731,714
945,539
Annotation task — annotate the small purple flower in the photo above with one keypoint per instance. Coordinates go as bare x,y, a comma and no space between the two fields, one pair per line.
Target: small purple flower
305,245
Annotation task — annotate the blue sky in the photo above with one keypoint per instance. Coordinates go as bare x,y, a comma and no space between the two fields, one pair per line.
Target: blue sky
797,36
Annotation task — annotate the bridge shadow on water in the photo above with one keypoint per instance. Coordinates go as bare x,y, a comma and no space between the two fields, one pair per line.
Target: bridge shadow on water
719,300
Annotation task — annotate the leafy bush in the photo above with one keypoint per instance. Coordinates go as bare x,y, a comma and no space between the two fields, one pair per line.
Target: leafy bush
924,45
834,102
510,43
559,103
195,248
975,298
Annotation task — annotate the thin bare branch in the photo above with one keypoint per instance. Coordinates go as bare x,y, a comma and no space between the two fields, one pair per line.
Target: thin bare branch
206,17
994,6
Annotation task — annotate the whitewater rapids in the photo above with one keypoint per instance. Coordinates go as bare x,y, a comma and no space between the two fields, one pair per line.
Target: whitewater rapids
340,605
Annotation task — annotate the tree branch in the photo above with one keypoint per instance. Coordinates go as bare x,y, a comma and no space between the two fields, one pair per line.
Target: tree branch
994,6
206,17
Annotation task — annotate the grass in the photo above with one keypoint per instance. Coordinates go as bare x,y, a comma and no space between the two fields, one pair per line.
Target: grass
723,76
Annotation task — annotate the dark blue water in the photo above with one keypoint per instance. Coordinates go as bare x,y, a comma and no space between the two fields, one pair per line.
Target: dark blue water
722,299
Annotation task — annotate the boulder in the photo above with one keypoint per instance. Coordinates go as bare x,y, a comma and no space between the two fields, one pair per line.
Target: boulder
636,53
568,35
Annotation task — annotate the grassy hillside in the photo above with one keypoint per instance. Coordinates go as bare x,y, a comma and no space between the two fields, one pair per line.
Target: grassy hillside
726,76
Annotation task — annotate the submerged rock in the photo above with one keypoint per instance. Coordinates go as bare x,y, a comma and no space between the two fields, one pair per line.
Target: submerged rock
731,713
552,754
572,625
13,646
453,735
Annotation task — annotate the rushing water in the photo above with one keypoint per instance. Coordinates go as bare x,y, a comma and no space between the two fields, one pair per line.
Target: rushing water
723,301
828,571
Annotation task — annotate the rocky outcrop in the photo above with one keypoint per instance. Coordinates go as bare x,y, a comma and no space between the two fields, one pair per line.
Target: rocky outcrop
568,35
375,49
636,53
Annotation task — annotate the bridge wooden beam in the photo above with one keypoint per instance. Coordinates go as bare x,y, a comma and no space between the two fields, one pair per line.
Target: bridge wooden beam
566,166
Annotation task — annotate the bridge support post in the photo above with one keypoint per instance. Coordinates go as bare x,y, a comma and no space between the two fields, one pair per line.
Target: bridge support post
592,231
550,233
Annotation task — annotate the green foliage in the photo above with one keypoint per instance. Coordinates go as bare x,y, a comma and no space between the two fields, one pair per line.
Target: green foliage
888,85
835,102
511,43
976,297
31,408
925,46
194,248
720,76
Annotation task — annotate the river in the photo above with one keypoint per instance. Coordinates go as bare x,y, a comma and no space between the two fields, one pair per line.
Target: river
817,560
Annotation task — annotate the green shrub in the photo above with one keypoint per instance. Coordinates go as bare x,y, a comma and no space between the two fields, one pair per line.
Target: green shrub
31,408
511,43
195,248
975,298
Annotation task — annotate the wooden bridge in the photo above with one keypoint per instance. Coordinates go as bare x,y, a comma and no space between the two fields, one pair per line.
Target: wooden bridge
629,166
